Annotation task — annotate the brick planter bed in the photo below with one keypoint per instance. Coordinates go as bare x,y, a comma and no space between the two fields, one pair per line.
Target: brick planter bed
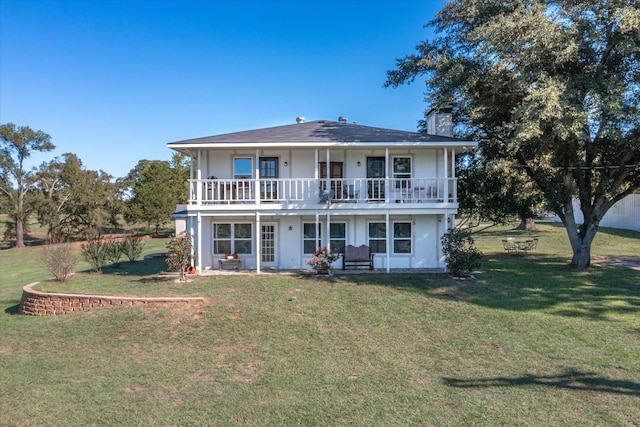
38,303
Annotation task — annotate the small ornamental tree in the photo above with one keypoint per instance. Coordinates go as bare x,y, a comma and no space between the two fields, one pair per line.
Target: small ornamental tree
60,260
461,255
115,250
95,252
180,247
132,246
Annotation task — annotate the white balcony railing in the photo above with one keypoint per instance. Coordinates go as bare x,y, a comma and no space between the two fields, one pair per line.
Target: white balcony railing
344,190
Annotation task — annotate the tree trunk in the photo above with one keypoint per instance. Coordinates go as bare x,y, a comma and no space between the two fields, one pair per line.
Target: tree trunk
581,256
581,239
19,232
528,224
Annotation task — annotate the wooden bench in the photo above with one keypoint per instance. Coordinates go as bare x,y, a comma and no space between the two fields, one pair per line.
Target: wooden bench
355,257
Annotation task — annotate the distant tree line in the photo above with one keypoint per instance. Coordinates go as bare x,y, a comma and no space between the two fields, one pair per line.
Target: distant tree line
70,200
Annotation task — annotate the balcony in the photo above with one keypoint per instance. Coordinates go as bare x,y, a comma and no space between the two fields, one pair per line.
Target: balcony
221,192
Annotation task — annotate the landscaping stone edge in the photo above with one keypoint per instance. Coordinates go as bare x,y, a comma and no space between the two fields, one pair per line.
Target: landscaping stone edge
40,303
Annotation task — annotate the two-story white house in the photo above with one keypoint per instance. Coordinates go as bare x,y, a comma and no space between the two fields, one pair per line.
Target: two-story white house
273,195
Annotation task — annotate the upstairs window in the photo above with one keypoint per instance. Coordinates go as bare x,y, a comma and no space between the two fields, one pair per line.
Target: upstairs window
242,168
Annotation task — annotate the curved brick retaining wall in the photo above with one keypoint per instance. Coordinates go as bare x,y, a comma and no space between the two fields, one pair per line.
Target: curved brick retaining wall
38,303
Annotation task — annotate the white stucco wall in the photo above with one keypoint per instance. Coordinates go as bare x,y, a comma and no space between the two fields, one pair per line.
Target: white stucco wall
289,240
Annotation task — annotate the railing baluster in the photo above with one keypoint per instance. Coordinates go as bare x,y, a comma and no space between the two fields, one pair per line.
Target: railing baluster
287,190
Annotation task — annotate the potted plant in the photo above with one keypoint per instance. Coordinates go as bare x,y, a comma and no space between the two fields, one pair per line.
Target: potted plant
322,259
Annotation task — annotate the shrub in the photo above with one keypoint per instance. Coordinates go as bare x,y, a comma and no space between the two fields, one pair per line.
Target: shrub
179,253
322,259
114,250
60,260
461,255
132,246
95,253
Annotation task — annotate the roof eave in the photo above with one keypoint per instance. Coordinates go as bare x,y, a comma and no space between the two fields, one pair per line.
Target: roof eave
236,145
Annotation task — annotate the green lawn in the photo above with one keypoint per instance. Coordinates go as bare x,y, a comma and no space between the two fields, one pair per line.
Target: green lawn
529,342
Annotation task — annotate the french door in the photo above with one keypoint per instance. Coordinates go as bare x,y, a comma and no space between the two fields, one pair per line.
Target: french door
268,178
335,175
376,173
268,245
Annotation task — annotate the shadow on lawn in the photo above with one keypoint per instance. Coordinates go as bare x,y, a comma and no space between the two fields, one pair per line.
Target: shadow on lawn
145,267
546,283
527,283
13,309
571,379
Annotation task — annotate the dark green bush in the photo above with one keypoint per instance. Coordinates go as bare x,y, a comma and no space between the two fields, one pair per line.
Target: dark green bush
461,254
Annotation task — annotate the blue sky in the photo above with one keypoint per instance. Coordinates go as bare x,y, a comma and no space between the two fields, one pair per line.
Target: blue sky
114,81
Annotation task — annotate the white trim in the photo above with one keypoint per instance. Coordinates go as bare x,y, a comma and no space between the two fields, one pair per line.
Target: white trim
313,145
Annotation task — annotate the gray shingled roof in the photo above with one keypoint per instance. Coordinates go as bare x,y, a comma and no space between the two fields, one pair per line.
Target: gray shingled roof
319,131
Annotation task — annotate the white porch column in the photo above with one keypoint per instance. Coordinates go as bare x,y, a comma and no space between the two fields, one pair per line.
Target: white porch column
258,243
198,183
389,239
442,228
387,187
190,228
328,168
454,187
317,229
316,176
257,179
327,235
191,164
445,196
199,242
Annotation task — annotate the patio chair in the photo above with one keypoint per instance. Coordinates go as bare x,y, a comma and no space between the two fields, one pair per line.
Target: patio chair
326,195
509,245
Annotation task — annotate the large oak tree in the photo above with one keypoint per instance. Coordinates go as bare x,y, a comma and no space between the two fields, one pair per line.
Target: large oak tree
73,199
17,182
550,87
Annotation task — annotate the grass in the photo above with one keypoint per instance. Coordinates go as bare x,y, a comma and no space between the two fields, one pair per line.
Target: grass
529,342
